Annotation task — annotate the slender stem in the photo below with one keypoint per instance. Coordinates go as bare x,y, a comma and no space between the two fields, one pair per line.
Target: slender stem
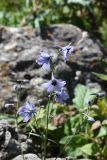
30,133
37,125
17,125
46,133
19,139
42,136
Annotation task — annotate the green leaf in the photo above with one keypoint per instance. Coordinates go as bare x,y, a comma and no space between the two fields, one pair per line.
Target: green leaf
75,140
101,76
66,9
102,132
102,105
90,149
72,123
87,149
59,2
82,2
83,95
71,145
79,92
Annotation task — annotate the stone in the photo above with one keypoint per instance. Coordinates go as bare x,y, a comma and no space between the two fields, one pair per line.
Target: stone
57,159
9,144
29,156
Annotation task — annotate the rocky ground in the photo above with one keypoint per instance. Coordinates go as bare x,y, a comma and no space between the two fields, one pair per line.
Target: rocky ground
19,48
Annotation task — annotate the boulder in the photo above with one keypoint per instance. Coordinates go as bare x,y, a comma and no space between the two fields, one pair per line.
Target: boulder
20,47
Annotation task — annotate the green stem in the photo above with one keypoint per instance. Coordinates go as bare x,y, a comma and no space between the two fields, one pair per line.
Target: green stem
19,139
46,134
37,125
42,136
17,125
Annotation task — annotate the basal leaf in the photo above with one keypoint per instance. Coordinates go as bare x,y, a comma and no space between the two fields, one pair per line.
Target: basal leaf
90,149
74,140
87,149
71,145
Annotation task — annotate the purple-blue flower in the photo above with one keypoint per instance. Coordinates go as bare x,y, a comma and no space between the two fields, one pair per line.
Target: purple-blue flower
61,96
44,60
89,118
26,111
54,84
66,51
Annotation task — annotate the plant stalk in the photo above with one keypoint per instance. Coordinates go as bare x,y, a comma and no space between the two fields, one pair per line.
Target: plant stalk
17,125
46,133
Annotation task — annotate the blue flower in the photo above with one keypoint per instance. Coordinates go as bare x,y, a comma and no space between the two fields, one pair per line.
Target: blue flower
89,118
44,60
54,84
66,51
61,96
26,111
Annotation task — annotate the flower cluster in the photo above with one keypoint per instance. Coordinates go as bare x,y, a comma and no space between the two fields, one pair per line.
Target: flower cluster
54,85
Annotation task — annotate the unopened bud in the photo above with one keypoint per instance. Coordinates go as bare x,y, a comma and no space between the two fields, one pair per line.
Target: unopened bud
8,105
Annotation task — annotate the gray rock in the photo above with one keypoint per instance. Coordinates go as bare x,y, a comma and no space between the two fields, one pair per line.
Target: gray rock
9,144
57,159
7,141
34,157
29,156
